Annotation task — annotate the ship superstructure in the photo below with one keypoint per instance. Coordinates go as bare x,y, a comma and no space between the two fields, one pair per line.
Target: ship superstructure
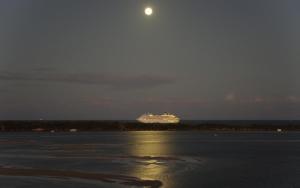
163,118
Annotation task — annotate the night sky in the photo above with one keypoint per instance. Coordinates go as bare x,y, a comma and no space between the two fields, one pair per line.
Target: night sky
105,59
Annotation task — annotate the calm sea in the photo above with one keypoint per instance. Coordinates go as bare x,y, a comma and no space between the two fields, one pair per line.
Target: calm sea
150,159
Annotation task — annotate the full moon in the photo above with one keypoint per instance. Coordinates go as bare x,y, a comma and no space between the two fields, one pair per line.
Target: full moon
148,11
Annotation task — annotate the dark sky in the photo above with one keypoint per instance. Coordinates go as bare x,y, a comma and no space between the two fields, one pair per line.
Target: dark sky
104,59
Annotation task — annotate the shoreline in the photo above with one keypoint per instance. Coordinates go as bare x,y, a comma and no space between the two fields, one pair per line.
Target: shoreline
100,126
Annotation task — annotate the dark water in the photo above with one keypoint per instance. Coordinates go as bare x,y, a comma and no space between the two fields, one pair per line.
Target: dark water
173,159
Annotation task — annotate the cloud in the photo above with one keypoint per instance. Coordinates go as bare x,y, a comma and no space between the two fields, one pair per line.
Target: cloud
102,101
293,99
258,99
230,97
124,80
180,102
233,97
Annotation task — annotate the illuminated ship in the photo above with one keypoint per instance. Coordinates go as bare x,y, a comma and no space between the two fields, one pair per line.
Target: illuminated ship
163,118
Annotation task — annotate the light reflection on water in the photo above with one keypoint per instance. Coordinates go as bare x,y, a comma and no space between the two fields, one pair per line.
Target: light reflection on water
153,145
150,143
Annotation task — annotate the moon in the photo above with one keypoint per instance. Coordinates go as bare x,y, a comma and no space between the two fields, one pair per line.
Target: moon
148,11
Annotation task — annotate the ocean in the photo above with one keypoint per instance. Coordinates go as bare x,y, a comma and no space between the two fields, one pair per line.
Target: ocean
155,159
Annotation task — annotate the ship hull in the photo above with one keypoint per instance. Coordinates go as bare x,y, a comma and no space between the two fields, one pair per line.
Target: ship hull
164,119
158,121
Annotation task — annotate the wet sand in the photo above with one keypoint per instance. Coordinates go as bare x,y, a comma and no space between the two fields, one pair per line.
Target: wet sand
108,178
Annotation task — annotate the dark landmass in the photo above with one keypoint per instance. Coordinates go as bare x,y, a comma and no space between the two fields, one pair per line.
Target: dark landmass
73,126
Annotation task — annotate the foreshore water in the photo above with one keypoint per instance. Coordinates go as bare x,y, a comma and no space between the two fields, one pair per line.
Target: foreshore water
169,159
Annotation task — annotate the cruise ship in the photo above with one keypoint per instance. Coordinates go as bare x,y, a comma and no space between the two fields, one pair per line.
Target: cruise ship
163,118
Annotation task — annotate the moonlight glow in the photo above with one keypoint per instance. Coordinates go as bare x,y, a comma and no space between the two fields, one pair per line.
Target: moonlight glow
148,11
